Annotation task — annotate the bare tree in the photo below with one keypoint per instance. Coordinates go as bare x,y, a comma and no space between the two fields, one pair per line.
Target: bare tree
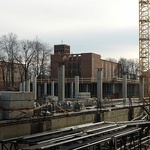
9,45
111,59
41,60
3,65
45,60
123,68
25,57
129,67
136,68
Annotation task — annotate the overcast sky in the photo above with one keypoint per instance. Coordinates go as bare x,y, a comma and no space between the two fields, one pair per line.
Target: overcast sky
105,27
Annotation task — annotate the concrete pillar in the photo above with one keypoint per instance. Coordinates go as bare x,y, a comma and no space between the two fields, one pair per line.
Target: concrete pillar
45,88
124,87
39,87
28,85
61,83
35,87
99,84
141,88
52,88
76,86
71,89
20,87
113,88
23,86
87,88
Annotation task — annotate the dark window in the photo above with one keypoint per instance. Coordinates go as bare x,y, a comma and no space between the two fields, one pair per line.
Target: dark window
74,65
74,73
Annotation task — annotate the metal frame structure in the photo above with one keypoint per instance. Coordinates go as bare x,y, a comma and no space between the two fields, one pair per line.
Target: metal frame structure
95,136
144,37
144,46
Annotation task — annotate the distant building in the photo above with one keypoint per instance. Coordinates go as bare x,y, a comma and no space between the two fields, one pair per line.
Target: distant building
61,49
6,78
85,65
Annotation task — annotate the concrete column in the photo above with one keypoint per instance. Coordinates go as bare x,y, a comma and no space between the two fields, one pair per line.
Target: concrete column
113,88
28,85
99,84
76,86
45,88
39,87
71,89
20,87
23,86
61,83
87,88
35,87
141,88
52,88
124,87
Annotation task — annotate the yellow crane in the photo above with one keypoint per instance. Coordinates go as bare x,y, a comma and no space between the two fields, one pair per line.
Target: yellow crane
144,45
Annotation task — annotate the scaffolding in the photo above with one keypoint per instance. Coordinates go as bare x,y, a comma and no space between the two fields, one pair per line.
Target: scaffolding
144,37
94,136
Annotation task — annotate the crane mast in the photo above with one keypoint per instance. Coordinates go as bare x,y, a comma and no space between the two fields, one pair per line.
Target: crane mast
144,37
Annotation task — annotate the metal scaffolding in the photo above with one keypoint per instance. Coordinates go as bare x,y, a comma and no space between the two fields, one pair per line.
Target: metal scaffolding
144,20
94,136
144,46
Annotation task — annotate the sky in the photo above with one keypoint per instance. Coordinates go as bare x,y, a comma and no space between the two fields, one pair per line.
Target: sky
105,27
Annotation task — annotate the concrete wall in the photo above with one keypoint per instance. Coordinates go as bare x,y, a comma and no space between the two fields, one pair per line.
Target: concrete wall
13,104
137,111
9,129
71,121
121,114
116,115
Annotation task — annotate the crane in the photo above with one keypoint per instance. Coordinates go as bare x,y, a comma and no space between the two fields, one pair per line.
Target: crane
144,43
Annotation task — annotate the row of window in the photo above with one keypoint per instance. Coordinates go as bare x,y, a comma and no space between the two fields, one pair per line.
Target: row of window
108,72
72,73
73,66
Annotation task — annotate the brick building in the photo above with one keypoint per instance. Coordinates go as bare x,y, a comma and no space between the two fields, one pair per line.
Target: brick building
5,76
85,65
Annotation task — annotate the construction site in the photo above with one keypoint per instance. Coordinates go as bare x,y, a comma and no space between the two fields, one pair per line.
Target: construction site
85,105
